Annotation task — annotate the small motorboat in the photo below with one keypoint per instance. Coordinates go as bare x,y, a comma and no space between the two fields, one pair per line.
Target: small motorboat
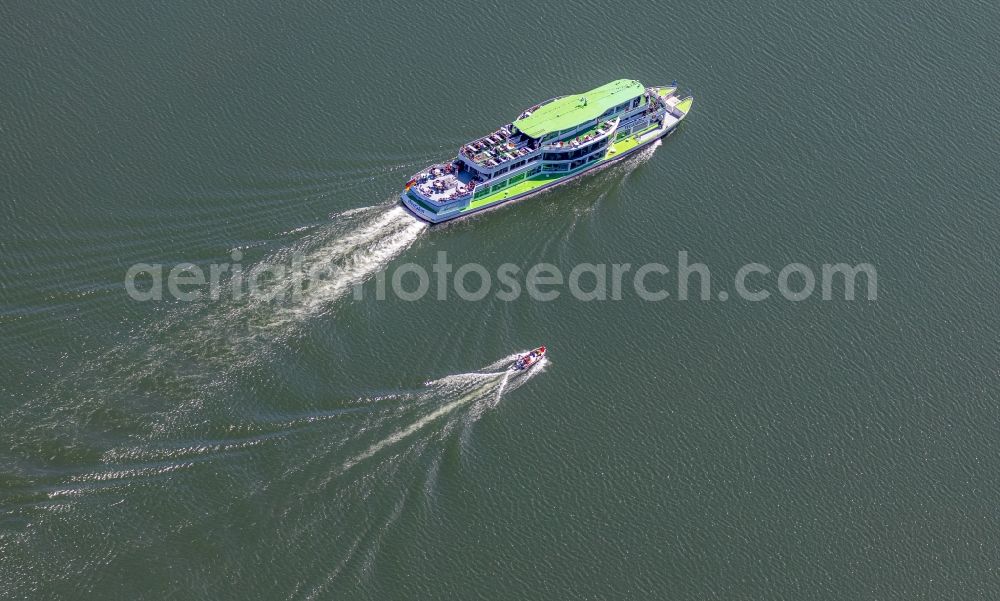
525,361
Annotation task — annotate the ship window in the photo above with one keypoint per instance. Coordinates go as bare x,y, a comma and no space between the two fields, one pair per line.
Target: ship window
635,103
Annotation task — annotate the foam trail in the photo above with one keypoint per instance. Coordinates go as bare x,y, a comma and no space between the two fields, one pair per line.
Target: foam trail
364,253
503,385
481,389
352,257
207,345
325,267
417,425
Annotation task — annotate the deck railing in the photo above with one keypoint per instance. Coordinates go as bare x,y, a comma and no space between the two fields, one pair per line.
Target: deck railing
565,145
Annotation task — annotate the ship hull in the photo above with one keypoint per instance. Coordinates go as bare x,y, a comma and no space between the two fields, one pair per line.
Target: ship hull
435,218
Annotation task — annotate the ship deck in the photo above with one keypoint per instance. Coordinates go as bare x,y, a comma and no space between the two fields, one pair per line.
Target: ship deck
445,187
615,151
448,185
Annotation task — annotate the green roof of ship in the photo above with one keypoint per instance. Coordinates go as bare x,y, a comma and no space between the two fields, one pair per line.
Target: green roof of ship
573,110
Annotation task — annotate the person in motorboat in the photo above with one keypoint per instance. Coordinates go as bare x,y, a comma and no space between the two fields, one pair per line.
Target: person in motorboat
526,361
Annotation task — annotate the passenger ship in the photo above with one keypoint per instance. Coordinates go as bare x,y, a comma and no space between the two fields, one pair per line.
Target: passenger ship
548,144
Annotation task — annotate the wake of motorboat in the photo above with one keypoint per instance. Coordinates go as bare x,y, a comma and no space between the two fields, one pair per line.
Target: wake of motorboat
481,390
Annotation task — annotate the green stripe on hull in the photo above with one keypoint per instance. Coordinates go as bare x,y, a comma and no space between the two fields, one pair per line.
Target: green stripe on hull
521,187
615,150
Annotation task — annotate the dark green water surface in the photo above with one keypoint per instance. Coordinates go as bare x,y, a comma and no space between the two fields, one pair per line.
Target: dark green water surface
336,448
